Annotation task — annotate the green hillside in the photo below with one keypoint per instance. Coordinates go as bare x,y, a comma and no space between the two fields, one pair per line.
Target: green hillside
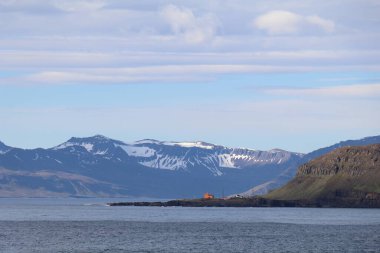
348,174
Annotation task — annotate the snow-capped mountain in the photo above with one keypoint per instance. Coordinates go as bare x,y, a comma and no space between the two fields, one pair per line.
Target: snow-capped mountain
186,155
177,155
141,168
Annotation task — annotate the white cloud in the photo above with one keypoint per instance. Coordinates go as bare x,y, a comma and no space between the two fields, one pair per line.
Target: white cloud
194,29
281,22
164,73
278,22
343,91
54,60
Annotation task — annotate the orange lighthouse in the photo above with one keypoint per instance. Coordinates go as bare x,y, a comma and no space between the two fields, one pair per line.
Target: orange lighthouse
208,196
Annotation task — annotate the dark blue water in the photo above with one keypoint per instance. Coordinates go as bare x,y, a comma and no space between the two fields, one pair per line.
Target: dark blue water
88,225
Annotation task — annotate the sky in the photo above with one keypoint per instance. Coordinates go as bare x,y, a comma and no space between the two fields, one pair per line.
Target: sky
263,74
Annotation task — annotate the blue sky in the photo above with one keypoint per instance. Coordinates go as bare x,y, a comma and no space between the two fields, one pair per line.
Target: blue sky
259,74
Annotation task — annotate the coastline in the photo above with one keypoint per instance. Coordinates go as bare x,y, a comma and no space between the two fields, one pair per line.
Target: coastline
258,202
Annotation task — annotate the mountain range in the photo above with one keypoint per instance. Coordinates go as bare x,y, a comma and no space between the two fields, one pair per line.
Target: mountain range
100,166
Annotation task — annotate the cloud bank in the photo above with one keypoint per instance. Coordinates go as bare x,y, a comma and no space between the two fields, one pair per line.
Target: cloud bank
40,39
236,72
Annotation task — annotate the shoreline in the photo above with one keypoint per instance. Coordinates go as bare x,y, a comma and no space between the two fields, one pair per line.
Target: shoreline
257,202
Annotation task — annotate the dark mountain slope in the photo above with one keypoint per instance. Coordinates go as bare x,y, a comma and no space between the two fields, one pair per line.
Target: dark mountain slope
360,142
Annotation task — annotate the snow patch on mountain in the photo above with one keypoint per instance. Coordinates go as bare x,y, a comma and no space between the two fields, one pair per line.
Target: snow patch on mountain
225,160
184,144
88,146
36,156
197,144
101,152
165,162
137,151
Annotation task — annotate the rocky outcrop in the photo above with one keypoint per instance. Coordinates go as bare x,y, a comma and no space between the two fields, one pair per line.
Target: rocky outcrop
349,161
347,177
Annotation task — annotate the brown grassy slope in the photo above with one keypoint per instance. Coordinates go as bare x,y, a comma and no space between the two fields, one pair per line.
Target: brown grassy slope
344,172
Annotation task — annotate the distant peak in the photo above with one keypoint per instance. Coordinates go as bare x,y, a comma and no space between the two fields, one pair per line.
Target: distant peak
3,147
376,137
3,144
277,150
88,142
248,149
95,137
99,136
147,141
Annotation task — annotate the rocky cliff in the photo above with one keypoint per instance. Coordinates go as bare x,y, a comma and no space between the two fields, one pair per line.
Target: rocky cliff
348,176
348,161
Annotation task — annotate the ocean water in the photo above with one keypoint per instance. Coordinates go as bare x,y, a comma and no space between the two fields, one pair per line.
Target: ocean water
89,225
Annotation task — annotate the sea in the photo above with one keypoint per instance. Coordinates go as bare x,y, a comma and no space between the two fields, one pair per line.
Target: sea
90,225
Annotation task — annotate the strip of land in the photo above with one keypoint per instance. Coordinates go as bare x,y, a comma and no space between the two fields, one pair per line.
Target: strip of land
259,202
